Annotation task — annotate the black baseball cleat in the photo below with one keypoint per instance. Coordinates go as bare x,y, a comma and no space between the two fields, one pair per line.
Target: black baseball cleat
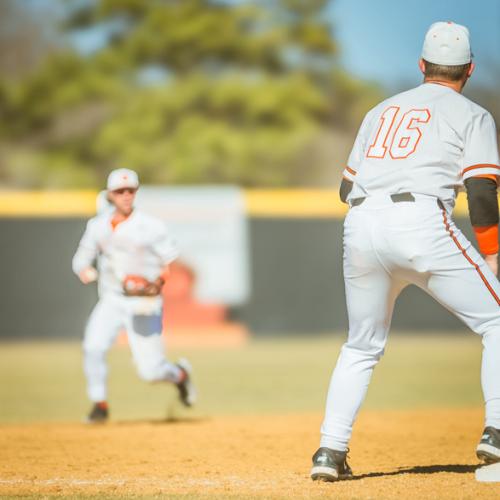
187,390
330,465
98,414
488,448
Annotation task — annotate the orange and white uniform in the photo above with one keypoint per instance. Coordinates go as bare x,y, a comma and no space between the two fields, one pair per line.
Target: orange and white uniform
427,141
139,245
411,156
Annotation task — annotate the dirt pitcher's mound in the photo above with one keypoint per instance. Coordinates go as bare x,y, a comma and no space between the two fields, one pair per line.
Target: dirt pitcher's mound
420,454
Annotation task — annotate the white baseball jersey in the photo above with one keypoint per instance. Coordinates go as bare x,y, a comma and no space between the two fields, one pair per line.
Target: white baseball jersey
140,245
427,140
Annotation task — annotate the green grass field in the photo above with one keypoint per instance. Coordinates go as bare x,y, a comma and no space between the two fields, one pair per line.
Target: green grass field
43,381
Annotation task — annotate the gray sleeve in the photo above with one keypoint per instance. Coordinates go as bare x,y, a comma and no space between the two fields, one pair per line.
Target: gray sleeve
345,189
483,201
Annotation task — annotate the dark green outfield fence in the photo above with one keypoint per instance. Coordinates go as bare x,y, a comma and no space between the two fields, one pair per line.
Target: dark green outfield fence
297,284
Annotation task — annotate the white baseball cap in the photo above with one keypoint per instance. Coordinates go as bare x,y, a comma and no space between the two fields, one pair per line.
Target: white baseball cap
447,43
122,178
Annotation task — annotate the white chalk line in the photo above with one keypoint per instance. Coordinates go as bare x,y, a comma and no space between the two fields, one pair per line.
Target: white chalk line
151,482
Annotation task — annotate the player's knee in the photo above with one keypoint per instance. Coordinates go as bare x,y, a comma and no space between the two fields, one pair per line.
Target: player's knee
146,374
365,349
489,326
93,352
492,335
149,373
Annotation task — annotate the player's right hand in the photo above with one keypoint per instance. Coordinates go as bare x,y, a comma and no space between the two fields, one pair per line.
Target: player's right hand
88,275
492,261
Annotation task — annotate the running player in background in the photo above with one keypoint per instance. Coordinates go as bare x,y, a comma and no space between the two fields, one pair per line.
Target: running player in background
133,251
413,153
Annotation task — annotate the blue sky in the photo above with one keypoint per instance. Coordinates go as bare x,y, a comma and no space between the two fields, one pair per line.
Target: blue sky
381,39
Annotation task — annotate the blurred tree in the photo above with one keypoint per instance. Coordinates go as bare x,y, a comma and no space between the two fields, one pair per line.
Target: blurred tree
184,91
24,39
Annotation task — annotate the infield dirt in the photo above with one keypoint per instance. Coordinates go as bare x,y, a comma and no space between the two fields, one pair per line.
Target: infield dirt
394,454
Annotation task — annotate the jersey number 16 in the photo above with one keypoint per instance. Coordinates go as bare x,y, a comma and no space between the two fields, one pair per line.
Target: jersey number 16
402,140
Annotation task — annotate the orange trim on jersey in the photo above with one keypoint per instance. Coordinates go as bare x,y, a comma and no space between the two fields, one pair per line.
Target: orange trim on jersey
350,170
480,165
443,83
408,127
492,177
115,222
487,238
464,253
384,145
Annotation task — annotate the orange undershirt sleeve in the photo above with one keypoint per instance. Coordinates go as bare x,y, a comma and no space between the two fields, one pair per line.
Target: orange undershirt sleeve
487,239
489,176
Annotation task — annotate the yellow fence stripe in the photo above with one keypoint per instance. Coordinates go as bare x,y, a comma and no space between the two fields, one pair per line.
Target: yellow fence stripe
285,203
294,203
47,203
297,203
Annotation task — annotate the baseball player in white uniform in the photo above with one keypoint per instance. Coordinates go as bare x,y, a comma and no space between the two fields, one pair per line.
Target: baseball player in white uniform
133,251
413,153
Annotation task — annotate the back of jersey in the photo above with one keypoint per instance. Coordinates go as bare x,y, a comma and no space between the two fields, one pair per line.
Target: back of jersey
427,140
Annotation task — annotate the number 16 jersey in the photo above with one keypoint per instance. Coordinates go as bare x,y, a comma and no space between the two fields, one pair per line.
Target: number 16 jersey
426,140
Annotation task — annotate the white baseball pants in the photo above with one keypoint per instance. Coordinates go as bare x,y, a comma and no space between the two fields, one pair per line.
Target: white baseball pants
388,246
141,318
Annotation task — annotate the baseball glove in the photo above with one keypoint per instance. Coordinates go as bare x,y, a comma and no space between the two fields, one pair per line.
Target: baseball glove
138,286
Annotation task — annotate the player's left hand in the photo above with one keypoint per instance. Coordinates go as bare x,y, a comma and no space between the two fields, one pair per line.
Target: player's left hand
492,261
